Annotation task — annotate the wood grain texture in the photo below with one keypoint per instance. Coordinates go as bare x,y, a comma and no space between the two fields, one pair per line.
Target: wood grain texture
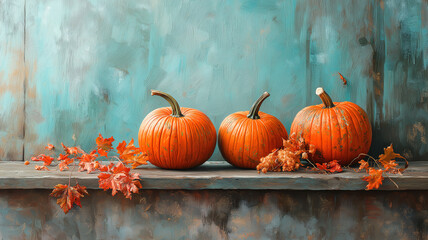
217,214
91,64
216,175
12,76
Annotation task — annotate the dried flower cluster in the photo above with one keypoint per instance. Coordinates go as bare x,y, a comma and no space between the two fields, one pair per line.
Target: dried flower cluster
287,158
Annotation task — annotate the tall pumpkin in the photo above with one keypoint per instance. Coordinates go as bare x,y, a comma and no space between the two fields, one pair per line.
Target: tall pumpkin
339,130
245,137
176,138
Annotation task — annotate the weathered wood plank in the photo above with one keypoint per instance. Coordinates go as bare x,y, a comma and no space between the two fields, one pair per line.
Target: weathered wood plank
12,75
215,175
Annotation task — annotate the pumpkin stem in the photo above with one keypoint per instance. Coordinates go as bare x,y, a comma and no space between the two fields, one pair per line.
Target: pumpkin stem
254,111
325,98
176,112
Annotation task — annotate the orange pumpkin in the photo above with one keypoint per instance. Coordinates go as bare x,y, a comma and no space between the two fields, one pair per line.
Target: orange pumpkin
339,131
245,137
176,138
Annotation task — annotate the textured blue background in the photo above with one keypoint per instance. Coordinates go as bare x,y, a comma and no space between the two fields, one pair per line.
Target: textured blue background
72,69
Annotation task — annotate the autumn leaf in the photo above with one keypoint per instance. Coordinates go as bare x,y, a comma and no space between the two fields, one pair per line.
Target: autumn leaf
286,158
43,167
363,165
72,150
89,166
387,159
50,147
119,178
64,161
374,179
27,163
47,160
131,154
68,196
104,145
332,166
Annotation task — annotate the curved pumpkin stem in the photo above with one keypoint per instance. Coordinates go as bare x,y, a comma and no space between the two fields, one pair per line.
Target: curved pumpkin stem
176,112
325,98
254,111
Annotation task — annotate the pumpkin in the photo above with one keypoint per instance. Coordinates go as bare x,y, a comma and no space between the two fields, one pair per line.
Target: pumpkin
245,137
338,130
176,138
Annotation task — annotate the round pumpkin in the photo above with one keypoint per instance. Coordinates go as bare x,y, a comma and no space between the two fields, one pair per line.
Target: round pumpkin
245,137
338,130
176,138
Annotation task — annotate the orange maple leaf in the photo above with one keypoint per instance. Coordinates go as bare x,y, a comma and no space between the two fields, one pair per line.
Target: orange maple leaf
104,145
67,196
43,167
118,178
47,160
72,150
363,165
64,161
332,166
374,179
87,162
50,147
387,159
131,154
27,163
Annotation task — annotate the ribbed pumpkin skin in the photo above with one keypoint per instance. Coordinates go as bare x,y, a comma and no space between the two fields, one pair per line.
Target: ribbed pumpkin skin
243,141
338,133
177,142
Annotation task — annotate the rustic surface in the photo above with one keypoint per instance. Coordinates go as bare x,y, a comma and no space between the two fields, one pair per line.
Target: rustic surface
215,175
218,214
90,64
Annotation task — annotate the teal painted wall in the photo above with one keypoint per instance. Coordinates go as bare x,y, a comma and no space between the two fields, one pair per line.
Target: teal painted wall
72,69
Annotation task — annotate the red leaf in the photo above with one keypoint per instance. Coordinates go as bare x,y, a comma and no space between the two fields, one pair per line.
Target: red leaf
118,178
332,166
47,160
50,147
67,196
104,145
374,179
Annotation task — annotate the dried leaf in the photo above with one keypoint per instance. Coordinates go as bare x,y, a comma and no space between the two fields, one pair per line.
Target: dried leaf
67,196
363,165
26,162
43,167
47,160
387,159
131,154
332,166
50,147
119,178
374,179
104,145
287,158
72,150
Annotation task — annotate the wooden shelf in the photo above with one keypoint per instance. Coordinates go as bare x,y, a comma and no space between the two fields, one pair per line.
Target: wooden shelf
215,175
